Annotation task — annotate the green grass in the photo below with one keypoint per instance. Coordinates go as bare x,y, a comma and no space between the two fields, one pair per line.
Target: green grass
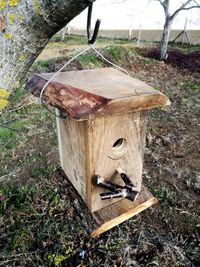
70,39
15,127
195,86
115,52
42,65
39,227
9,137
186,48
24,128
148,61
37,223
45,65
42,171
17,95
16,198
82,40
90,59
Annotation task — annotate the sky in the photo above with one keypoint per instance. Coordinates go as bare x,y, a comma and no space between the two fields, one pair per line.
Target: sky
135,14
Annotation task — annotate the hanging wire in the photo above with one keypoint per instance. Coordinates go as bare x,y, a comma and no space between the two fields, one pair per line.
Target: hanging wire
51,79
110,62
90,47
65,65
91,42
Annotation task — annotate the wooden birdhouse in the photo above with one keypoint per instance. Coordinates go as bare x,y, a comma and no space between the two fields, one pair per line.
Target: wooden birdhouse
102,138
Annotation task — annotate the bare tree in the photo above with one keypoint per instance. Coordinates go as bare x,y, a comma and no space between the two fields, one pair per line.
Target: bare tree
65,30
169,18
25,29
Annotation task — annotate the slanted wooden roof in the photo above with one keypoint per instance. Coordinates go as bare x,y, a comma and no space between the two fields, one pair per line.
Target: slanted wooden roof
104,91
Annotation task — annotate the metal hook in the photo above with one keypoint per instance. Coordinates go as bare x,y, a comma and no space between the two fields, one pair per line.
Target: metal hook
92,40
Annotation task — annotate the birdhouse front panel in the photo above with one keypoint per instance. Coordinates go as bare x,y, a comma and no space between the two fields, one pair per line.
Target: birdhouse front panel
114,142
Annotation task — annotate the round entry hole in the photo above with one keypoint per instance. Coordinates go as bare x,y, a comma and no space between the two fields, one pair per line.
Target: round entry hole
119,146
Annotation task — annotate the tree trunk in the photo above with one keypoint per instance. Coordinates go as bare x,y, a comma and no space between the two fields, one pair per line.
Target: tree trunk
165,39
63,33
25,29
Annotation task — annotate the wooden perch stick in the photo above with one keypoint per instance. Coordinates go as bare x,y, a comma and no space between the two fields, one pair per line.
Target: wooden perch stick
104,219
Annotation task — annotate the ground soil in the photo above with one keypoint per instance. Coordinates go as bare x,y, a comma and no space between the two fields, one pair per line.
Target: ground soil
176,58
167,234
172,159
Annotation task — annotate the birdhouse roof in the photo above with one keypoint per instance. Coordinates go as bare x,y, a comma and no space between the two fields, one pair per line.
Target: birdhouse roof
103,91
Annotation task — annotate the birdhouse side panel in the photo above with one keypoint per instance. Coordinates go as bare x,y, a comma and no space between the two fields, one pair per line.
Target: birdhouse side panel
71,137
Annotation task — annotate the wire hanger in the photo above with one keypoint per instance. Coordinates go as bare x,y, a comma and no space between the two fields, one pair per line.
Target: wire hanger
91,41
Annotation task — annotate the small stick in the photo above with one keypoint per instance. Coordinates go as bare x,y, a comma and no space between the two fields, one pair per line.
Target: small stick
111,195
122,193
128,183
98,180
124,177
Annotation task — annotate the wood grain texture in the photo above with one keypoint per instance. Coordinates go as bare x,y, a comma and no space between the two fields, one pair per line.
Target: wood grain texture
95,223
72,152
103,158
106,82
74,101
98,91
121,211
86,149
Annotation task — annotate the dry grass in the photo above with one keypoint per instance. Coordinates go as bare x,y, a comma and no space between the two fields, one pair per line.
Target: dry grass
37,225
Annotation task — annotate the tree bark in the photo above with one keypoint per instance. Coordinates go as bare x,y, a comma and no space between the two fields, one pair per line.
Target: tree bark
25,28
185,5
81,97
77,103
165,39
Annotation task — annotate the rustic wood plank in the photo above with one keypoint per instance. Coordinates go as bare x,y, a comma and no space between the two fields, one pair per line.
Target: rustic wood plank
103,91
95,223
105,82
112,109
121,211
75,102
86,148
133,104
104,158
71,136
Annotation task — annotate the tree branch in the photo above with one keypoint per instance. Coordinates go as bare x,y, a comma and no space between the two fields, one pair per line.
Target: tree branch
198,4
184,7
162,3
24,35
165,5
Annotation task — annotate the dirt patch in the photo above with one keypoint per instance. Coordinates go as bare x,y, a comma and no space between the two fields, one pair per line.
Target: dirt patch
177,59
167,234
172,158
